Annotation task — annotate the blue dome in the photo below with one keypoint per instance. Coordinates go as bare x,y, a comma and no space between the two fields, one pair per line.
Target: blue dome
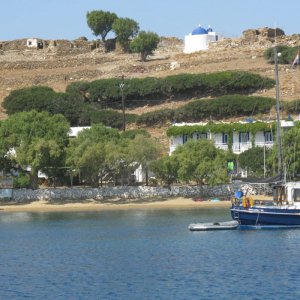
209,29
199,30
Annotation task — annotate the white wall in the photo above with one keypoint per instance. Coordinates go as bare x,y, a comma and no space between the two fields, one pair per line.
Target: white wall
198,42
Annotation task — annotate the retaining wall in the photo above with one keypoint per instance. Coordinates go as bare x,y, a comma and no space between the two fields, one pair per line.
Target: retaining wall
133,192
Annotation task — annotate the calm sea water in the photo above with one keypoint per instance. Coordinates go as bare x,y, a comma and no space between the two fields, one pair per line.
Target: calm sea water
143,254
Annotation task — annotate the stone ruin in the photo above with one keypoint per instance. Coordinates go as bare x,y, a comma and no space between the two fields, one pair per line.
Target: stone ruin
80,45
253,35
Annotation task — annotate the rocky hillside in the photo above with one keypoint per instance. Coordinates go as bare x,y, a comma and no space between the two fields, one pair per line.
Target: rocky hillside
59,63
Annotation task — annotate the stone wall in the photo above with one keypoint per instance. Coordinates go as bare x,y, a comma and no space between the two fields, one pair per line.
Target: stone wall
129,193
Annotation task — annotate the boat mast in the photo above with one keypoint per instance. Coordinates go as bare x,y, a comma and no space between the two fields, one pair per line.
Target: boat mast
279,154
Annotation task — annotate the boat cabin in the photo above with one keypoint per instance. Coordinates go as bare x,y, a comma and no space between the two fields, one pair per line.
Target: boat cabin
287,194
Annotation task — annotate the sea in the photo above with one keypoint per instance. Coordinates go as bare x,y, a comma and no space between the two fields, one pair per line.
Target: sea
143,254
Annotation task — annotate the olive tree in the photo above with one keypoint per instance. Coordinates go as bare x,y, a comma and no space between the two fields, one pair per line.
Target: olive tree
125,29
35,140
145,43
100,22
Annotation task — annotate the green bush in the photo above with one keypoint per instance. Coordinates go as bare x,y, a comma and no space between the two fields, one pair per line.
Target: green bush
292,107
110,118
155,117
287,56
223,108
107,92
27,99
21,181
219,108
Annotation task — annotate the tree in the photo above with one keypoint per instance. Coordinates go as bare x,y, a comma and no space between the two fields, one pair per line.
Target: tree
252,160
143,150
166,169
202,162
27,99
145,43
87,154
45,99
100,22
35,139
290,152
125,29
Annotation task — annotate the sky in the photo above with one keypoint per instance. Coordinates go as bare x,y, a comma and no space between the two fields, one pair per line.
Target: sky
66,19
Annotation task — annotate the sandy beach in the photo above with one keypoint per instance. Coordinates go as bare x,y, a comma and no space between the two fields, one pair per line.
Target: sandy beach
92,205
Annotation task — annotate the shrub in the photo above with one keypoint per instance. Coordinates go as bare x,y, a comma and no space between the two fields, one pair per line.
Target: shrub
110,118
223,108
287,54
107,92
155,117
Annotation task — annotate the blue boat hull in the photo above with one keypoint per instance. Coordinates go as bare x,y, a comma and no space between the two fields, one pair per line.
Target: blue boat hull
265,216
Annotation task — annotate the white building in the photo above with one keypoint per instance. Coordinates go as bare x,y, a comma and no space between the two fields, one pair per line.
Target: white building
35,43
199,39
242,139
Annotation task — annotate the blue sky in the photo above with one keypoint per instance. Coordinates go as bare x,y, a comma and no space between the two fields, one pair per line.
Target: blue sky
66,19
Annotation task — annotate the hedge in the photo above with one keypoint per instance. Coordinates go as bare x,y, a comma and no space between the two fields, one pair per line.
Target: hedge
219,108
107,92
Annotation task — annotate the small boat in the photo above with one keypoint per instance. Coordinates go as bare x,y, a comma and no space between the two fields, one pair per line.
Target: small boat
214,226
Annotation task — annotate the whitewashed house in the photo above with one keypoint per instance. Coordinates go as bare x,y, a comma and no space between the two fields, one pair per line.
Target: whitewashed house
240,139
199,39
35,43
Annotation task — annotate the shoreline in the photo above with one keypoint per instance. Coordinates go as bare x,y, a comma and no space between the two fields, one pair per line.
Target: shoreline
93,205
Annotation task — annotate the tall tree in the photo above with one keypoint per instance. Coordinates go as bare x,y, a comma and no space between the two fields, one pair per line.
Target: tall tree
37,140
145,43
42,98
202,162
254,159
143,150
100,22
125,29
166,169
87,153
290,152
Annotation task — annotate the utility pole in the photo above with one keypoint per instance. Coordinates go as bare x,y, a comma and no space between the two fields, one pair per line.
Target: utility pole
122,84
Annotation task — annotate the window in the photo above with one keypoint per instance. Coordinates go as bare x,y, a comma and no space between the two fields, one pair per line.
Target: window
296,195
244,137
201,136
225,137
185,138
268,136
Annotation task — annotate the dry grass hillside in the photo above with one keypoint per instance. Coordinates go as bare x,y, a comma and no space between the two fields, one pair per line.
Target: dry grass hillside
55,67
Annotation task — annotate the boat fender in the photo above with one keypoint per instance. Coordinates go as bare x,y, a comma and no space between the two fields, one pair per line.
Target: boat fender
247,202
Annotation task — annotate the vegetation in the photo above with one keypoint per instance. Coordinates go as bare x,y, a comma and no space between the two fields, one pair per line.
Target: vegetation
145,43
100,22
196,161
223,108
34,139
254,160
290,152
216,109
253,128
103,152
287,54
106,92
125,29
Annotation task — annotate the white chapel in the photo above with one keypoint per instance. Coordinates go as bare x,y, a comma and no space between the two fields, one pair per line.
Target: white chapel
199,39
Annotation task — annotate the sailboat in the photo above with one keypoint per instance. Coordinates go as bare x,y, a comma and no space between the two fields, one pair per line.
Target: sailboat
284,211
